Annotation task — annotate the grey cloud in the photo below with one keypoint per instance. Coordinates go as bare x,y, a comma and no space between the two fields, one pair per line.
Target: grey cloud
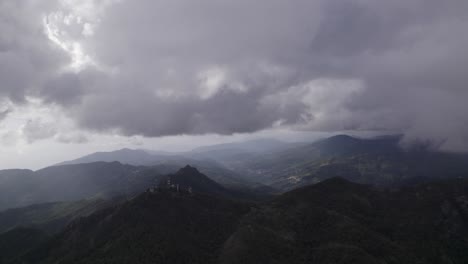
35,130
349,28
72,138
138,113
64,89
180,67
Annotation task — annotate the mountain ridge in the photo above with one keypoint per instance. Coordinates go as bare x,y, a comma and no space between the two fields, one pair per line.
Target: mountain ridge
335,221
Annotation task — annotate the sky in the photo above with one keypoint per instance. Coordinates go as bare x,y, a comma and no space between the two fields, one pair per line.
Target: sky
78,76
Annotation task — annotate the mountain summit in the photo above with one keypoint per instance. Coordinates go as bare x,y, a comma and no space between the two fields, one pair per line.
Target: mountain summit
189,176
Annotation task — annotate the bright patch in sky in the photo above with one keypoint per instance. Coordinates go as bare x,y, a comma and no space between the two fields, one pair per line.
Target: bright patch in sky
71,25
57,35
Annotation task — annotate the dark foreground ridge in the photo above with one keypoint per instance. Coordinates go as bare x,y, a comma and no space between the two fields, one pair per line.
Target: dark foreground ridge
162,227
335,221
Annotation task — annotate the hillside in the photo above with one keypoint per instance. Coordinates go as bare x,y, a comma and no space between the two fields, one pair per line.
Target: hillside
14,184
163,227
17,242
337,221
51,217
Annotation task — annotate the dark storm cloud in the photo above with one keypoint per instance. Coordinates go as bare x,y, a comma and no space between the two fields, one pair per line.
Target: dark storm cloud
184,67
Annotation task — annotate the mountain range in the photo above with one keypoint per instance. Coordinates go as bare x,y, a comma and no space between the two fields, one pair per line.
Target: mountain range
380,161
335,221
338,200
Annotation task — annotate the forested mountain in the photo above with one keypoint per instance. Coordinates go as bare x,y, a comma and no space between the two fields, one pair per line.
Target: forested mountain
18,242
162,227
344,200
335,221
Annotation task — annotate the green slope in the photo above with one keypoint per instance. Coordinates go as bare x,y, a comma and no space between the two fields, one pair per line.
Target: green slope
341,222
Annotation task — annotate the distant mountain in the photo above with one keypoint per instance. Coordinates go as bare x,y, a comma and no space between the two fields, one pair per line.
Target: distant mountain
232,154
149,157
73,182
256,145
337,221
209,162
125,156
378,161
15,187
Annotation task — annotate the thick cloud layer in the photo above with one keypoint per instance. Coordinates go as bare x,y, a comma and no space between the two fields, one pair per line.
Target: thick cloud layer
170,67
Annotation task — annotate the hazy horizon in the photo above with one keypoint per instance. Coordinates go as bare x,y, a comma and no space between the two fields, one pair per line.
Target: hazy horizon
168,144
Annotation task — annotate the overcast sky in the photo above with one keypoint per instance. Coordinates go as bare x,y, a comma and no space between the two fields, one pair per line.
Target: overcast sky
78,76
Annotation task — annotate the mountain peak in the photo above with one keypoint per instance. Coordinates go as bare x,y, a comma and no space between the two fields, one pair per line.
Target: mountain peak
189,176
188,169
